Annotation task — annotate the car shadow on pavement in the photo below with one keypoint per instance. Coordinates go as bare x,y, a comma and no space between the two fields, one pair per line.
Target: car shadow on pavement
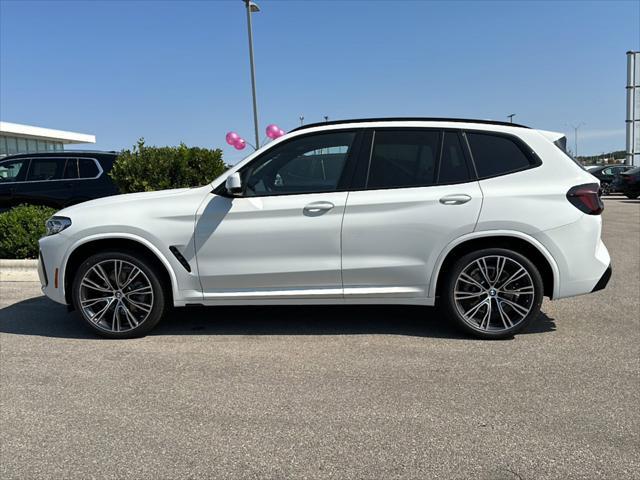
41,317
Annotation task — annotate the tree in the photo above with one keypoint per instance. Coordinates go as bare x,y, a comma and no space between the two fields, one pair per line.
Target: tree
144,168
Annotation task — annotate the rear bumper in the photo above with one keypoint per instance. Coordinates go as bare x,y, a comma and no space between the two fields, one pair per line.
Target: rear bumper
581,257
604,279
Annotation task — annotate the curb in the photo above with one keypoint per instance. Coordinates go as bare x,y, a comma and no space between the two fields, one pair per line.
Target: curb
19,271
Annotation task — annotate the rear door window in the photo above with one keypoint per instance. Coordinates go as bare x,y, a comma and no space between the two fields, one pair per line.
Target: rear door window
403,158
46,169
495,155
71,169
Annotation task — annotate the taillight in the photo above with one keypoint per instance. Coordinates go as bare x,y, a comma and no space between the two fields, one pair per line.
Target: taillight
586,199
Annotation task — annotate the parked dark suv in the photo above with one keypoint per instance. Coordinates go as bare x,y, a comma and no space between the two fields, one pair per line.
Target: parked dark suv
55,179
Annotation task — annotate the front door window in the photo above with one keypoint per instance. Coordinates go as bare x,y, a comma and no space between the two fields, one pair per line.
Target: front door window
309,164
10,171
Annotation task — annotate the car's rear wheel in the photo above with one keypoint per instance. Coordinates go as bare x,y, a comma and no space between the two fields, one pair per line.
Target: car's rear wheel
493,293
605,188
632,196
119,295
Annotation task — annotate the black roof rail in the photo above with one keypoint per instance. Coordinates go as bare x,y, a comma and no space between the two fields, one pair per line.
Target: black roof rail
409,119
61,153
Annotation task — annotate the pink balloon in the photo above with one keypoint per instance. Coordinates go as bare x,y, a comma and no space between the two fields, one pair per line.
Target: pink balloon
281,133
240,143
273,131
232,138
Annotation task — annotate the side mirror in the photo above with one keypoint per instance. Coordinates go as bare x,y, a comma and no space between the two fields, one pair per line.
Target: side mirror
233,184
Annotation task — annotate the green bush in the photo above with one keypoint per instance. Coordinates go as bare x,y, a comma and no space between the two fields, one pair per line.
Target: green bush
20,229
145,169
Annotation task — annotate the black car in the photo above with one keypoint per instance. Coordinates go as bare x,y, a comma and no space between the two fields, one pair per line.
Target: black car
630,183
607,174
55,179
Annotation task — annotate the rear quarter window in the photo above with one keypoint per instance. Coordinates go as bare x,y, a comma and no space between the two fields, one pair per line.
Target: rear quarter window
87,168
496,155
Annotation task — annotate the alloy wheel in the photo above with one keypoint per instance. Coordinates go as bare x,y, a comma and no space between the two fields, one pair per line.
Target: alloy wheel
115,295
494,293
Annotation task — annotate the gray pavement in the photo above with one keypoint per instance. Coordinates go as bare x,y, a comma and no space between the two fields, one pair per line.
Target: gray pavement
328,392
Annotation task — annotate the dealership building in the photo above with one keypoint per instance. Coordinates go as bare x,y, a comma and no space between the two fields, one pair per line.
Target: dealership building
17,138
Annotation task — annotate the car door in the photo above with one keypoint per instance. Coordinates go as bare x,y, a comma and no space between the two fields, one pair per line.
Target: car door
44,183
11,173
418,193
281,237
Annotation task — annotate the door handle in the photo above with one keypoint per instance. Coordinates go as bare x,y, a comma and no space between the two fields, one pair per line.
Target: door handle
317,208
455,199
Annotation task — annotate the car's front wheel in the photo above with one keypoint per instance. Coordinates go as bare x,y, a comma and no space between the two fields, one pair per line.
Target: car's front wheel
119,295
493,293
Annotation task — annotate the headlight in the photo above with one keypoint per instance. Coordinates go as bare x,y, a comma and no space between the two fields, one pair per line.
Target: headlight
57,224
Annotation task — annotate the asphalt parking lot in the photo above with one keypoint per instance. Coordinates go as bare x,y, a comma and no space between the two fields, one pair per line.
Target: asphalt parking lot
329,392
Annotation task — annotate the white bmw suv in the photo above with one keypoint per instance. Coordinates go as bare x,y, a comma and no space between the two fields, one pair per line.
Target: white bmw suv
481,218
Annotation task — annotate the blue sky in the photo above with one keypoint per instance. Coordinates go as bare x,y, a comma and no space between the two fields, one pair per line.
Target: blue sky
174,71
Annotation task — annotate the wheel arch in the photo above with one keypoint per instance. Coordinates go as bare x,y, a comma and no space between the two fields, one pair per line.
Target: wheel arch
121,242
516,241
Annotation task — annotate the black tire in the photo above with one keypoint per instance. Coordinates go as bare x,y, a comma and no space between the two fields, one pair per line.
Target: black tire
605,189
158,301
532,301
632,196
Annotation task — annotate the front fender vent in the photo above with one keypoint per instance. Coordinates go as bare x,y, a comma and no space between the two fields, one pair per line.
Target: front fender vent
180,257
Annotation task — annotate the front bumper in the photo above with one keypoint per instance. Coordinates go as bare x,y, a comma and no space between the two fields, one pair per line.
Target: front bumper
42,271
51,266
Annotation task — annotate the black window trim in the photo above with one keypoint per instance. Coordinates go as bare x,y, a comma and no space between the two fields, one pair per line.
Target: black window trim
66,159
471,169
355,175
528,152
344,182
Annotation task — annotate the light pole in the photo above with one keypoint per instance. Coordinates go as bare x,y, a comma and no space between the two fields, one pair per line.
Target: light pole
575,137
252,7
510,117
301,120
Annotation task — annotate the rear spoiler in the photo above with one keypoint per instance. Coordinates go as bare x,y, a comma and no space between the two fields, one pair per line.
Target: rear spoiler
559,139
